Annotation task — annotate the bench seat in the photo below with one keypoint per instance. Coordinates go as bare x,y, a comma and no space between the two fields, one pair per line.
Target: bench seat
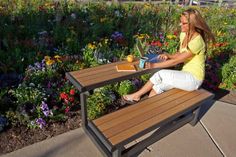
122,126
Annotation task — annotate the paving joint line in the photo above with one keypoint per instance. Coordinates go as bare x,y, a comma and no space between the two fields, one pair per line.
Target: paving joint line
212,139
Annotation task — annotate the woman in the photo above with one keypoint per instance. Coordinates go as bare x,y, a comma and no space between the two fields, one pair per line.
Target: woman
194,36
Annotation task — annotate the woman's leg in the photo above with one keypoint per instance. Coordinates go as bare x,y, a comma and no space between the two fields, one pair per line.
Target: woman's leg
136,96
174,79
152,93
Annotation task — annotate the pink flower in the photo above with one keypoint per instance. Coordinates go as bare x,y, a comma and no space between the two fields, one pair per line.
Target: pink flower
67,109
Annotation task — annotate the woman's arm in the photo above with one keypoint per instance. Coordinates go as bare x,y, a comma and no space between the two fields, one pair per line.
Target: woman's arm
166,56
173,56
176,59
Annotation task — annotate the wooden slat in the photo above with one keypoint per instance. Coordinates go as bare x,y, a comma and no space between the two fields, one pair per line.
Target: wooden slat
158,118
149,105
132,108
97,78
147,115
87,71
96,74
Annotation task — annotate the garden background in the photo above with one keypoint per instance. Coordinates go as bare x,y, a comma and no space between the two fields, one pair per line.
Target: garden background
41,40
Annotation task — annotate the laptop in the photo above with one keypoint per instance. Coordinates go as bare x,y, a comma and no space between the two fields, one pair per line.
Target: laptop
151,56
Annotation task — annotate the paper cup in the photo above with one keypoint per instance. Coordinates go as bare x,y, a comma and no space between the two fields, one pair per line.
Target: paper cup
142,62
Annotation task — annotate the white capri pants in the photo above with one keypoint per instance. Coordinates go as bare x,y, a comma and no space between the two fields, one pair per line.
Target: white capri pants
164,80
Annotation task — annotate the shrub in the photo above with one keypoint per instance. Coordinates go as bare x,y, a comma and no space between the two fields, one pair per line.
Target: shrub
229,74
97,104
145,77
126,87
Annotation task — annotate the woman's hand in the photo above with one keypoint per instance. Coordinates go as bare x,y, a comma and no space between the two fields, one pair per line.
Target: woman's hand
149,65
163,56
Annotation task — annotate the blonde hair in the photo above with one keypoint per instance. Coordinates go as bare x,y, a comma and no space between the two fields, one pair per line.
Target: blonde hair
197,22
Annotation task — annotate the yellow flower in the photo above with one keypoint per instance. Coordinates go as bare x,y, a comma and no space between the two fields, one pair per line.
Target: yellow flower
91,46
170,36
225,23
47,58
219,33
58,58
142,36
147,5
68,40
102,19
50,62
106,41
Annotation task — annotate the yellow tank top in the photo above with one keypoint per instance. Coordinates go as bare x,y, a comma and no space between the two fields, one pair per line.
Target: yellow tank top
195,65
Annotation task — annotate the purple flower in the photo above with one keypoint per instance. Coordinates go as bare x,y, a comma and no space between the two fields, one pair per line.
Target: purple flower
117,36
38,65
40,122
137,83
44,106
49,85
46,113
45,109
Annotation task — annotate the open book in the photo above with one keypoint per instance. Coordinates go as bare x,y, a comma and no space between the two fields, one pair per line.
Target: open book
125,67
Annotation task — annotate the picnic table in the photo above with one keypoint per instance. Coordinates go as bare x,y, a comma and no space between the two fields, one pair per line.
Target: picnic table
111,133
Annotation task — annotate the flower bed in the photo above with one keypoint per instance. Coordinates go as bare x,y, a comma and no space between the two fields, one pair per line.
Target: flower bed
43,40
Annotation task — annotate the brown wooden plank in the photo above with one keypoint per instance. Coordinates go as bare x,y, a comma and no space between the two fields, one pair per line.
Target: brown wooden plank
111,74
158,118
147,115
150,105
132,108
101,68
96,74
92,72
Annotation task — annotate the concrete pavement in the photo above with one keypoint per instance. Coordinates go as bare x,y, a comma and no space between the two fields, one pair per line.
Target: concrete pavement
213,136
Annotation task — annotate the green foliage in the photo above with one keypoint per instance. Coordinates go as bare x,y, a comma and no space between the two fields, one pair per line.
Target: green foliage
97,104
42,77
145,77
88,57
229,73
125,87
26,94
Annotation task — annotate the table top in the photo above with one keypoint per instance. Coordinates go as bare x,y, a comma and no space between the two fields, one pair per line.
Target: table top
91,78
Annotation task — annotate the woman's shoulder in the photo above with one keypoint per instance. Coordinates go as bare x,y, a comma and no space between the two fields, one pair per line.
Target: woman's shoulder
197,38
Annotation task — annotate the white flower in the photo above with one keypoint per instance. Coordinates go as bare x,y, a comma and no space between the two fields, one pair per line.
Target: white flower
32,84
73,16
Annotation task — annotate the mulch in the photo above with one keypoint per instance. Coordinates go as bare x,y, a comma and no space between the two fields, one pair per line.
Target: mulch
20,136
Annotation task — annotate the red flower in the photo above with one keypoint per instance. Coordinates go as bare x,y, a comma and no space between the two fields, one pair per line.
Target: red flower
72,92
176,33
64,95
156,43
71,99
